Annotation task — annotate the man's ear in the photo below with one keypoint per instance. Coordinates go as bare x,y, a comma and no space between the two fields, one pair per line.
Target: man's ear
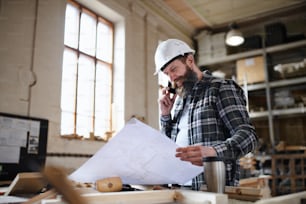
190,60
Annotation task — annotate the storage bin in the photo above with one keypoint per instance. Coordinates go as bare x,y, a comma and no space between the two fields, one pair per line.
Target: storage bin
276,33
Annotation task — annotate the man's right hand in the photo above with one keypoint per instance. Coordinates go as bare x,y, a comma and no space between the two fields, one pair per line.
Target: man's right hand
166,101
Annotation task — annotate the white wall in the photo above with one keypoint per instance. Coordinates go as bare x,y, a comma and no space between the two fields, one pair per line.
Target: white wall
31,48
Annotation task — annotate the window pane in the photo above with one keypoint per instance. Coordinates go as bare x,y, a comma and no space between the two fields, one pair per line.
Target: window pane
67,126
103,99
88,34
71,26
85,98
105,42
68,92
69,71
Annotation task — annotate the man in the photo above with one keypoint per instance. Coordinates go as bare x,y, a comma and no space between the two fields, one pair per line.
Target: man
206,116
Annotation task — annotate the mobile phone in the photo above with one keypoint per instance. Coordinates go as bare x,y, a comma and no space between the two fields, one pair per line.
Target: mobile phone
171,88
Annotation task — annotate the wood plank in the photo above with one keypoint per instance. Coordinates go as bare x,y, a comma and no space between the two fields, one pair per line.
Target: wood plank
26,183
239,190
37,199
294,198
245,193
58,179
161,196
157,196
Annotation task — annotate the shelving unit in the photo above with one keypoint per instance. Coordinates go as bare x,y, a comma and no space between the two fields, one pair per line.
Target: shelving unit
289,173
268,86
275,123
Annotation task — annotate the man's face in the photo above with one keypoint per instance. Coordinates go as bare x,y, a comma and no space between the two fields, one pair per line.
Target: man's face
176,71
181,74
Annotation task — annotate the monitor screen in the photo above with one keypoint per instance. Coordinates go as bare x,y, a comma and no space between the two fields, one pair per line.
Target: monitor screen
23,145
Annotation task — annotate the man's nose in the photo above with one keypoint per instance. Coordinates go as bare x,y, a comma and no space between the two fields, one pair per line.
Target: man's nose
172,77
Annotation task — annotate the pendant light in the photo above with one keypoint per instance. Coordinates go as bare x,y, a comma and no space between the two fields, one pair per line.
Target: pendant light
234,37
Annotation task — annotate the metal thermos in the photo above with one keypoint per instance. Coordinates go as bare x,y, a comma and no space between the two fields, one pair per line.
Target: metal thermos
214,174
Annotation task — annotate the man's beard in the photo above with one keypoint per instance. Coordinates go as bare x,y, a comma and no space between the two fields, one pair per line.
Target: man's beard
189,79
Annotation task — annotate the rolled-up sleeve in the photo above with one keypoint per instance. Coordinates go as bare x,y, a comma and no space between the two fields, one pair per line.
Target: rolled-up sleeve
165,122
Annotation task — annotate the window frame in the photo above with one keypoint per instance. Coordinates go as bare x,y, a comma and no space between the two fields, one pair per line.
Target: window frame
97,62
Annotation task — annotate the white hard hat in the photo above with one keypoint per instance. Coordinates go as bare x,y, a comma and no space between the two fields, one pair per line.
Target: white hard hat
168,50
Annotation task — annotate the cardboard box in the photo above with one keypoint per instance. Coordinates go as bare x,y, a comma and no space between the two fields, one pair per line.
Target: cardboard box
204,42
218,41
250,69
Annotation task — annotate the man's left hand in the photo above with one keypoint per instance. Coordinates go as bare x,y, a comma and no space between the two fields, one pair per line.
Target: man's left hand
195,154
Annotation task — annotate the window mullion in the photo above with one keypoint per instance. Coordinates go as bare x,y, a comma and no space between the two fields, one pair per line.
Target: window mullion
95,77
77,74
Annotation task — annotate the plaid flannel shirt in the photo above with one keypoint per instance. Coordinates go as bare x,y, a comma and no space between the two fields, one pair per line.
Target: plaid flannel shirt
217,116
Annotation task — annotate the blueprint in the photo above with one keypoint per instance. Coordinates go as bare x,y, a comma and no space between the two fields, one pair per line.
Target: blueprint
139,155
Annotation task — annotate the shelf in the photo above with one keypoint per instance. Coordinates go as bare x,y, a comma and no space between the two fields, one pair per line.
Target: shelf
262,114
286,82
263,157
259,114
232,57
253,53
288,46
289,111
254,87
287,175
275,84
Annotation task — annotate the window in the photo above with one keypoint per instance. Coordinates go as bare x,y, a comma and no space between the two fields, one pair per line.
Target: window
86,95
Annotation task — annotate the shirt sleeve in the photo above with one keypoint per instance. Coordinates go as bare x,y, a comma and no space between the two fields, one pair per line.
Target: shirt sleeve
231,106
165,121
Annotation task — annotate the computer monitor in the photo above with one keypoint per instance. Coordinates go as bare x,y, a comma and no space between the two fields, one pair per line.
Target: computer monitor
23,144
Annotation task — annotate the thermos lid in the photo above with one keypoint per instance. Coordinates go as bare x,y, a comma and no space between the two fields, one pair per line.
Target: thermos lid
212,159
